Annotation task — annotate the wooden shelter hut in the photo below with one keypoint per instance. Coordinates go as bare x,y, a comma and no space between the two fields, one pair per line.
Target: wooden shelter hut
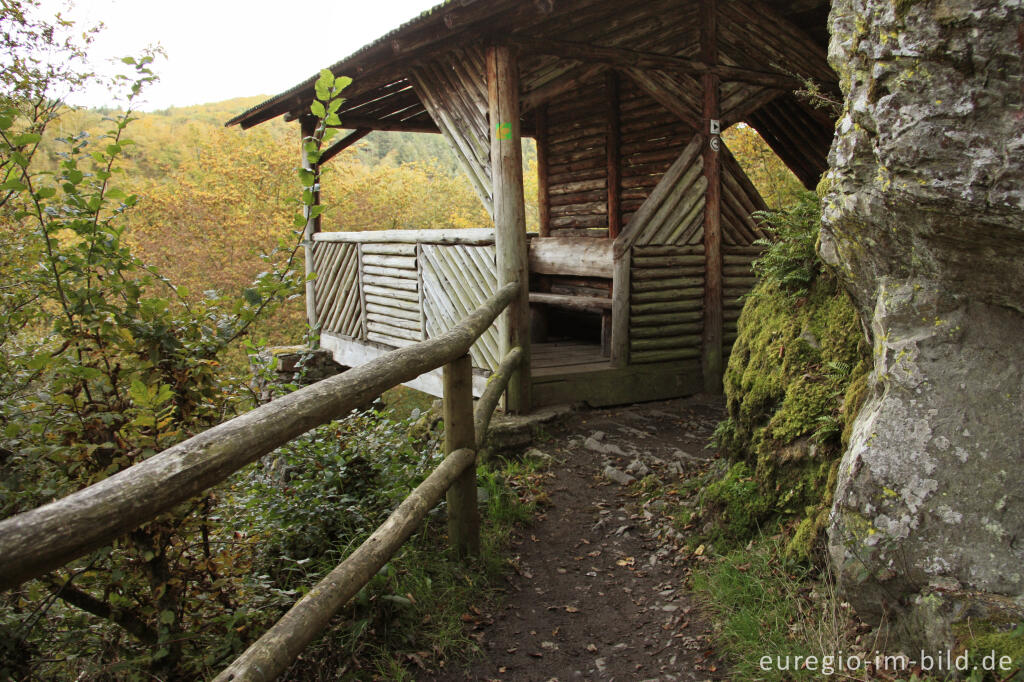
630,290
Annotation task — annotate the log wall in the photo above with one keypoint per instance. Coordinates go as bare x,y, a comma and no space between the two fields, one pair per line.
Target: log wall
337,288
395,288
456,279
392,305
576,154
651,139
666,303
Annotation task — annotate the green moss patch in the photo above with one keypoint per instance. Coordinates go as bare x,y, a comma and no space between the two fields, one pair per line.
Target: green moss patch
796,379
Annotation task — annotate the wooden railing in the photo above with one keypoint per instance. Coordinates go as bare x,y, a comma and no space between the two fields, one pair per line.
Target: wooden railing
45,538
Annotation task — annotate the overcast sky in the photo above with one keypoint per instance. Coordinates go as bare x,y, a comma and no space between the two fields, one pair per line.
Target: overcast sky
220,49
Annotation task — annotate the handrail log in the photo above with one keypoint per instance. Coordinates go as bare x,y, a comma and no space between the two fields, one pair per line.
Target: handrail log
496,385
39,540
271,654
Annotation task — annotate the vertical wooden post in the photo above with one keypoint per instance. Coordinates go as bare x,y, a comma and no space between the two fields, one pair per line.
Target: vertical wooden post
360,273
711,356
509,214
463,515
612,154
620,308
543,200
307,125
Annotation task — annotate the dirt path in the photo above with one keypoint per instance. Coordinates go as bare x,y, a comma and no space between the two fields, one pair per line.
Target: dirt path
598,591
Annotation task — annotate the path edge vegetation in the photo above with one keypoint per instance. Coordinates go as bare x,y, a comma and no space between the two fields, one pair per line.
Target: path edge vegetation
796,379
106,362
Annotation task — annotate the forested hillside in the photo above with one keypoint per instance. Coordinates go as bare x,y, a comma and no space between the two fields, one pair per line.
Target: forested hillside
212,199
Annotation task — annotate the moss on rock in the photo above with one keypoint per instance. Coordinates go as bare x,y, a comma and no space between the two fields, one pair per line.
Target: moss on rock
795,380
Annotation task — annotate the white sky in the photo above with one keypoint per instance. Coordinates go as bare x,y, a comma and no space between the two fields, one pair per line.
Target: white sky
220,49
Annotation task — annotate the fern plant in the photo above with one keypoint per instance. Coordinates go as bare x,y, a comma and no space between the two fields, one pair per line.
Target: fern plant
790,259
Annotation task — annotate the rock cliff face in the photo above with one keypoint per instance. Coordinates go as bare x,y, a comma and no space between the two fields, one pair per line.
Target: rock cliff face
924,218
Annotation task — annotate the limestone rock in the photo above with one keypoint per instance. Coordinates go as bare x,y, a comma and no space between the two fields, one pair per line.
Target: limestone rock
924,220
617,475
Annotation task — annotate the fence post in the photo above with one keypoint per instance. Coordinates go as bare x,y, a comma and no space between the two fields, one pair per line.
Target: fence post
463,515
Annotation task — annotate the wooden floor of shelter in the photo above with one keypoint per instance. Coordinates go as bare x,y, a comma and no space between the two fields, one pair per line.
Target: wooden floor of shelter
560,357
573,371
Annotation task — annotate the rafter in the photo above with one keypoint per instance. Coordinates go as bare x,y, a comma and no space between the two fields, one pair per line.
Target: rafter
624,58
343,144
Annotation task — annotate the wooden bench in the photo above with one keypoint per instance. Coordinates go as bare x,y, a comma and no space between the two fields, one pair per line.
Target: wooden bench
580,269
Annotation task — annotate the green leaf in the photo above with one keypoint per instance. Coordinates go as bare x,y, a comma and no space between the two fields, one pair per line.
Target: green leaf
139,392
167,617
13,184
252,296
342,82
26,139
317,109
326,77
39,362
307,177
299,221
333,120
115,193
45,193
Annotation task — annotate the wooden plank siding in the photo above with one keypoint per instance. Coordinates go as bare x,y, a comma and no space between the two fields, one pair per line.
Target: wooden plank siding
455,280
395,293
453,88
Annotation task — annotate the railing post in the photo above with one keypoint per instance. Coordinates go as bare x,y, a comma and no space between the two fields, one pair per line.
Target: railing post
307,126
463,515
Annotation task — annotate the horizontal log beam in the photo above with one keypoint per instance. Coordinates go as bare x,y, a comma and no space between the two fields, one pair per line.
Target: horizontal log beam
349,122
623,58
581,303
95,516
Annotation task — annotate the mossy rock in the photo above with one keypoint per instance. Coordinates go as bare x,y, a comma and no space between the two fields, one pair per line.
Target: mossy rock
796,378
736,500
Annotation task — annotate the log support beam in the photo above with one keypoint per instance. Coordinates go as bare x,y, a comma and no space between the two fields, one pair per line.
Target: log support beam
388,125
711,356
543,198
612,139
343,144
509,214
307,126
623,58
